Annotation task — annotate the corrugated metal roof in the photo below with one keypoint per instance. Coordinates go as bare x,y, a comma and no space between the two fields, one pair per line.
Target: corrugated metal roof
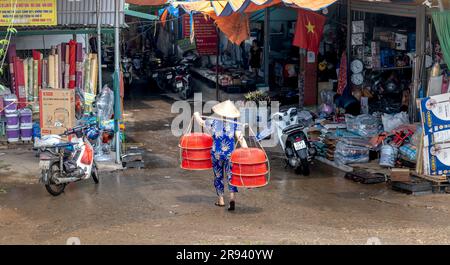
83,12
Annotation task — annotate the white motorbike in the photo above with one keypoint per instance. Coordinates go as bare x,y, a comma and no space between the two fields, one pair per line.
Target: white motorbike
62,162
289,129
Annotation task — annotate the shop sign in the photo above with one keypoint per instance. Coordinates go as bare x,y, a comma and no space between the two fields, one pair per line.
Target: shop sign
205,33
28,12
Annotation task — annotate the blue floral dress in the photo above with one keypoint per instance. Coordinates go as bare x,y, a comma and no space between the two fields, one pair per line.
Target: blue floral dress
223,133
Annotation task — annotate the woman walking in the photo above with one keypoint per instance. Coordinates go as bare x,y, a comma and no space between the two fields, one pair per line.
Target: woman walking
223,130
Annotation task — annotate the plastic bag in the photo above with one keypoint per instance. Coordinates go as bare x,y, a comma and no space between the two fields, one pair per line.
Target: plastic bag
348,154
364,125
105,104
327,106
392,121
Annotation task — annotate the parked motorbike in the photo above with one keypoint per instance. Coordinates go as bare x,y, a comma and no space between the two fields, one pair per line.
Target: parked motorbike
62,162
127,68
163,77
289,129
183,82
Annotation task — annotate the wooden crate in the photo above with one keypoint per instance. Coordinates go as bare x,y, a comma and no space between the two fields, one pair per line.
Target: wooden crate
400,175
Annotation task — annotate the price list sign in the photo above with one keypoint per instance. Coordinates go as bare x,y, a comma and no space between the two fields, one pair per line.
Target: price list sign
205,33
28,12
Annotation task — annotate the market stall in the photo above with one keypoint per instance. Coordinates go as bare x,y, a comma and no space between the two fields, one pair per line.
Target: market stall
52,73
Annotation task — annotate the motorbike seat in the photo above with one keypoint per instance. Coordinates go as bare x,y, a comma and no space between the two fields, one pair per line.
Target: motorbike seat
293,127
62,145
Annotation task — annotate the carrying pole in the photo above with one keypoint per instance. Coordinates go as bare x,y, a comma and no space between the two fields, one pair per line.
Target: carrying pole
117,81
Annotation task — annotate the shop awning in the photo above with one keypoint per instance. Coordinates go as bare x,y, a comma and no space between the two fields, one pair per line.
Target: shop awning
228,7
140,15
146,2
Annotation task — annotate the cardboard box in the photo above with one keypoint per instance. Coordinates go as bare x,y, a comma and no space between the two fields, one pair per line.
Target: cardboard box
57,109
436,138
436,159
435,113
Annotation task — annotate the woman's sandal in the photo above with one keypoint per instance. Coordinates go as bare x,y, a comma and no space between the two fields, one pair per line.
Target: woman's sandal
219,205
232,206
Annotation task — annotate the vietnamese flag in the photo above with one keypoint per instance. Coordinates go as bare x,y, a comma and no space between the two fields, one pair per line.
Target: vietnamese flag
308,30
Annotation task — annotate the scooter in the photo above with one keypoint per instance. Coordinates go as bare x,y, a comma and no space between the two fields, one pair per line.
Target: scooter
182,82
62,162
127,68
289,129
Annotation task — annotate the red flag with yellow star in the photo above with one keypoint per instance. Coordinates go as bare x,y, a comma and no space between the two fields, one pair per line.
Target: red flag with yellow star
308,30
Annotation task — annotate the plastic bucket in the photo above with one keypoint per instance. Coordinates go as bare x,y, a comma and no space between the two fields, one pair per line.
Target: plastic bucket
12,134
26,132
10,103
26,116
196,151
249,168
12,119
388,155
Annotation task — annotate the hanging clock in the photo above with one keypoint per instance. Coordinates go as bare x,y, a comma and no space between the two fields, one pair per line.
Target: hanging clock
356,66
357,79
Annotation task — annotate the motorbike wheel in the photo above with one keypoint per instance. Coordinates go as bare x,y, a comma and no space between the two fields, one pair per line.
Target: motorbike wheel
53,188
305,167
183,95
94,173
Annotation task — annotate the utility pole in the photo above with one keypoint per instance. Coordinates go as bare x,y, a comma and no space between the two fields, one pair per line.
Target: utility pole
266,45
117,80
217,65
440,5
99,47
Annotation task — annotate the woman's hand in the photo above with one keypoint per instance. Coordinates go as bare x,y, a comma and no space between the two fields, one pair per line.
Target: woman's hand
199,119
241,139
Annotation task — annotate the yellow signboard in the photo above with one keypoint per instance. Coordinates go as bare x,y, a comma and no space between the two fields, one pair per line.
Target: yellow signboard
28,12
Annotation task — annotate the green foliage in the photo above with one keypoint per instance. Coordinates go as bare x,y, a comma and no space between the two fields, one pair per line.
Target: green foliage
12,30
257,96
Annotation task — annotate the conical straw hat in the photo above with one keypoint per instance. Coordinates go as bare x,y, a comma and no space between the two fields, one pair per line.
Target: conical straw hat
226,109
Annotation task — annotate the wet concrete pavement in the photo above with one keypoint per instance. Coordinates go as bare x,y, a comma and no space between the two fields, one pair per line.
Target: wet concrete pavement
163,204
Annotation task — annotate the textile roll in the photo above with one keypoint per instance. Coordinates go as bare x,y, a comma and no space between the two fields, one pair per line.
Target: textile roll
51,71
35,77
93,73
30,79
25,78
37,57
66,65
60,58
72,64
79,73
87,79
44,73
57,67
20,83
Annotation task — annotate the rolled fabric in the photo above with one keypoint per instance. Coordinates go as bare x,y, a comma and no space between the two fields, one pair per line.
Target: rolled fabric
20,83
44,73
59,78
66,66
51,71
72,63
30,63
87,71
35,77
79,73
94,73
25,77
